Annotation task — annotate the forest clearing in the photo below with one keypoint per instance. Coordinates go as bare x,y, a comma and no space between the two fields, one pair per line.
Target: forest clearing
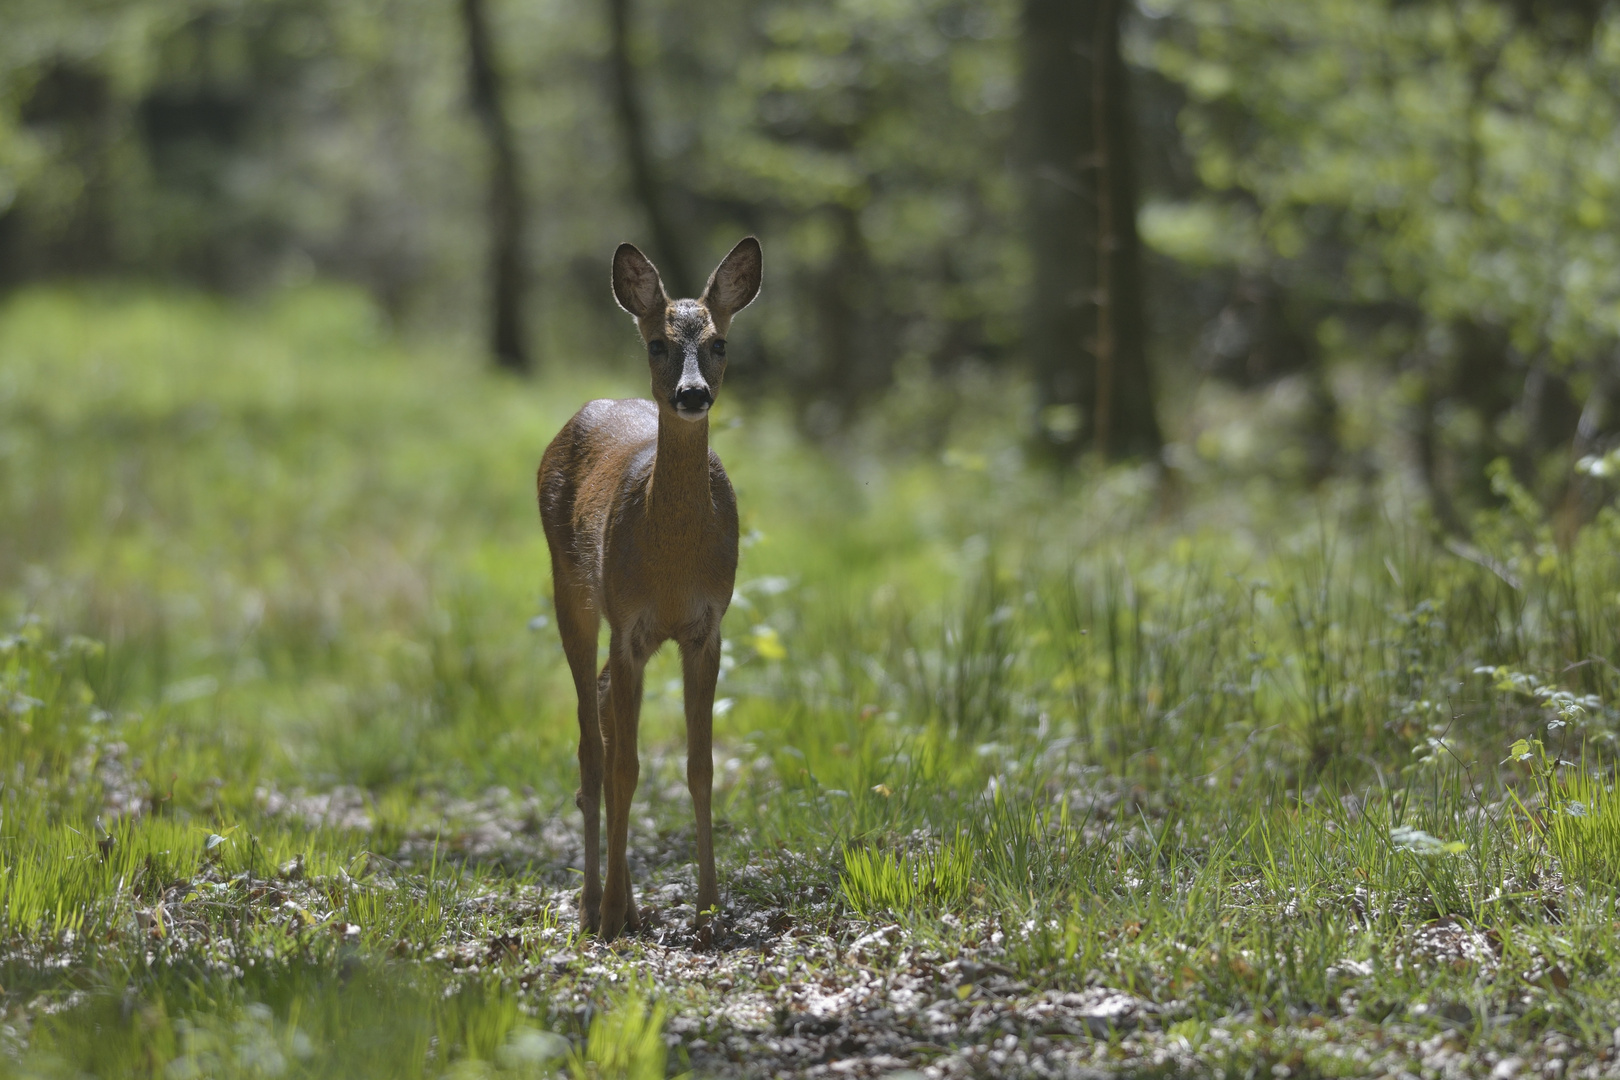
1047,779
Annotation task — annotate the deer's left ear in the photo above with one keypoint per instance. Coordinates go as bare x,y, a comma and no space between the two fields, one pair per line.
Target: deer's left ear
735,282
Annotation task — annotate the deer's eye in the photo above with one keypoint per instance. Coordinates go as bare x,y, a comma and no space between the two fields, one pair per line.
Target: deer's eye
657,348
717,347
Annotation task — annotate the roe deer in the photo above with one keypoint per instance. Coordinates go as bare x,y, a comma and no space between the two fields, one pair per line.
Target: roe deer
642,525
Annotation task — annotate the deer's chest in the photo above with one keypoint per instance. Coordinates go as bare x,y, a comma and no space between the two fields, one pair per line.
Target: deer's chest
670,590
689,618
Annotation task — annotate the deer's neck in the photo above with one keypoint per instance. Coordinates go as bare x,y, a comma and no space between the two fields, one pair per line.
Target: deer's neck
678,492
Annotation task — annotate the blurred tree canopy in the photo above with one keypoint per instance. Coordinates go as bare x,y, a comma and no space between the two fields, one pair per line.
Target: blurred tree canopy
1429,185
1421,190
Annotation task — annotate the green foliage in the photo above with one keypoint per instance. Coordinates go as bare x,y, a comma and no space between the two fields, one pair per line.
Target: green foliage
306,1022
250,143
1236,754
625,1042
1581,824
1416,188
1448,144
1572,808
873,139
50,716
1409,196
940,876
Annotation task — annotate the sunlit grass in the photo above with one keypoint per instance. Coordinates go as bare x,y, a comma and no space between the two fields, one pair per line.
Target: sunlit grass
1239,756
877,881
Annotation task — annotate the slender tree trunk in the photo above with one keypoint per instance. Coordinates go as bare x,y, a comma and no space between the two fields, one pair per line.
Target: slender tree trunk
507,216
1086,327
1062,218
1102,411
670,252
1125,392
854,343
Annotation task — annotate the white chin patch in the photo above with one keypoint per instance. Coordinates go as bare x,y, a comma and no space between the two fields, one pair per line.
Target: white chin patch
692,414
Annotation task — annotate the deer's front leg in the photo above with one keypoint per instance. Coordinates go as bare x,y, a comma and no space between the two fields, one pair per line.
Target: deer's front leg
620,729
700,668
578,623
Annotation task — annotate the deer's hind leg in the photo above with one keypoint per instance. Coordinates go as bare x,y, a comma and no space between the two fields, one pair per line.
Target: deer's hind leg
577,624
604,709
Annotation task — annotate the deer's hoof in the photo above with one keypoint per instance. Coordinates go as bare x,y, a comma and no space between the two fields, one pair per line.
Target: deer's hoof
590,913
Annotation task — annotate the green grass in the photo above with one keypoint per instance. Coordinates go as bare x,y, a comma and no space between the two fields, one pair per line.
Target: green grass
873,882
287,740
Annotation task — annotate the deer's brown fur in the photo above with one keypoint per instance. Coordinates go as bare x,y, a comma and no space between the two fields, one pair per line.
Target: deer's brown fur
642,525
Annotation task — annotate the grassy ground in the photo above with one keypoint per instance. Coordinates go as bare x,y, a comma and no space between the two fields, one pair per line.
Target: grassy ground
1205,775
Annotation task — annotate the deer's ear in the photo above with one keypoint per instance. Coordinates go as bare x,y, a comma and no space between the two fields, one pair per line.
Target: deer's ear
735,282
636,285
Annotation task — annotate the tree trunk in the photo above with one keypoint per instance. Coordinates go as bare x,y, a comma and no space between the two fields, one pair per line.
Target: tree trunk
1086,328
669,251
507,217
1125,395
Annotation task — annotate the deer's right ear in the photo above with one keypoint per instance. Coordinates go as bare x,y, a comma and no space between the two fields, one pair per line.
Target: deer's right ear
636,285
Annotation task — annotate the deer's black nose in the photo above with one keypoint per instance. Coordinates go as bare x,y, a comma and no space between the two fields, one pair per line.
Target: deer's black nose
693,399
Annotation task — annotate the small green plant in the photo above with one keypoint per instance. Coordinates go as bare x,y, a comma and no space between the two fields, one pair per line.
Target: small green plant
1584,830
625,1041
1573,811
875,881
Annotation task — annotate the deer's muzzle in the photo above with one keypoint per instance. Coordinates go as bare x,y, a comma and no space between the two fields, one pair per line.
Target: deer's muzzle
692,402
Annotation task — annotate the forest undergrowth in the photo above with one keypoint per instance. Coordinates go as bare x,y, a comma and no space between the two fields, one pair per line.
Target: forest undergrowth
1186,773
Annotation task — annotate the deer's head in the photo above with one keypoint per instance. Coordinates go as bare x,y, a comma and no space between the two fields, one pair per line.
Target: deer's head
686,339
